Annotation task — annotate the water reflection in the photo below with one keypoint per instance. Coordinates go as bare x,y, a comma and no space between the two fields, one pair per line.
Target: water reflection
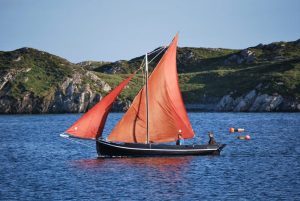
161,163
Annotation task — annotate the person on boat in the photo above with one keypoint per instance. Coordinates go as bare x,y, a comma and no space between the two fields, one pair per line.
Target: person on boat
180,140
211,138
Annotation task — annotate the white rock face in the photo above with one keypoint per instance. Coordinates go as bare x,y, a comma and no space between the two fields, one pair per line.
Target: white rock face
266,103
245,56
225,104
245,102
255,102
10,76
75,96
18,59
106,87
242,106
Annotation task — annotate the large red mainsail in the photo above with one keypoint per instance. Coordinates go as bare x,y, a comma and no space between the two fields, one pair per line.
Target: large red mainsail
91,124
167,115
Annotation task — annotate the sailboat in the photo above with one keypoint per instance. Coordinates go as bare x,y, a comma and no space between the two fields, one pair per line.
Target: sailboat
155,119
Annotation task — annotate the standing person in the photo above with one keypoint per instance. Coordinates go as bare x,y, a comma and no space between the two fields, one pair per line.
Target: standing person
211,138
180,140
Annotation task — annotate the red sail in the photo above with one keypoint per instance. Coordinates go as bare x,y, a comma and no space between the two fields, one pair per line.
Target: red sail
91,124
167,114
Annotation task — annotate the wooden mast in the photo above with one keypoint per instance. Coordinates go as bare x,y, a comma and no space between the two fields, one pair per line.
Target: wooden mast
147,107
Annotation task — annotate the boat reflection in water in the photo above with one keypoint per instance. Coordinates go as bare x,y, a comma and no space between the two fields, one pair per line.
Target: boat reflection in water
160,163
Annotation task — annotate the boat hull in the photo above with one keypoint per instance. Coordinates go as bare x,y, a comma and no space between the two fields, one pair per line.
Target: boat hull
105,148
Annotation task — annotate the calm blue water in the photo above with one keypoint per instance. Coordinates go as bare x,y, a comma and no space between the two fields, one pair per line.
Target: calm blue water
36,164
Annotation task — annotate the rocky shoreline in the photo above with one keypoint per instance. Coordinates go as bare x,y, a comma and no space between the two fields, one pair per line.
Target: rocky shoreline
70,99
252,102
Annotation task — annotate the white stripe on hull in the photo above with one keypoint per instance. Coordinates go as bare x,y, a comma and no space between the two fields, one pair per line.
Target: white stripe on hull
172,150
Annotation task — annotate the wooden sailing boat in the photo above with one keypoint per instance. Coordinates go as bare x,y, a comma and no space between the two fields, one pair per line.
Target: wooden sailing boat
157,115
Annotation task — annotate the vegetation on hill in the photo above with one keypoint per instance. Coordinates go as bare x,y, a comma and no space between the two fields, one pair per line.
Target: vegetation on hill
38,71
131,90
214,72
205,74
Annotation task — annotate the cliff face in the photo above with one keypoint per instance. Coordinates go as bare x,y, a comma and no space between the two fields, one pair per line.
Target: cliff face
264,78
255,101
47,84
70,95
251,102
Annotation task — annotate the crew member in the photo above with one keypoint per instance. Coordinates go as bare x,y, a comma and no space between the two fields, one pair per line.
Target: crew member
180,140
211,138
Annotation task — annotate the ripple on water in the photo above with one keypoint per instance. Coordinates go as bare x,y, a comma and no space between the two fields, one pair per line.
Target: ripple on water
36,164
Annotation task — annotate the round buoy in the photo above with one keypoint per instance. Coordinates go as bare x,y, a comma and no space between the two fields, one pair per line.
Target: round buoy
231,130
247,137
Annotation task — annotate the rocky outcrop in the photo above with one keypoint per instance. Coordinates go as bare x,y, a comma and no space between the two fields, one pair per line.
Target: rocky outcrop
92,65
188,57
75,95
245,56
255,101
116,67
71,96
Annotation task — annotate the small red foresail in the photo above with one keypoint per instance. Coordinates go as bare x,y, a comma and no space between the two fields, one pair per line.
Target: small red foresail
91,124
167,114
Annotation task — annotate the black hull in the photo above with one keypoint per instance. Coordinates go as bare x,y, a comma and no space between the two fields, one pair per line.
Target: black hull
113,149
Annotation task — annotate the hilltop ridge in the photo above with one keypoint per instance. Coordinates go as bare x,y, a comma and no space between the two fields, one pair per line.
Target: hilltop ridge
259,78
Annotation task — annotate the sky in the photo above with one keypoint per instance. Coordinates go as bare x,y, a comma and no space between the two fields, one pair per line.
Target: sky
112,30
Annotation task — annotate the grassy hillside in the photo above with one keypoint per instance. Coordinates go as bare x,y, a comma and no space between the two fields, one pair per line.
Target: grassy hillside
203,72
275,68
187,60
278,77
214,72
38,72
130,91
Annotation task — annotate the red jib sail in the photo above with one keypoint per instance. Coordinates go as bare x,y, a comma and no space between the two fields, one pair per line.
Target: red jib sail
167,114
91,124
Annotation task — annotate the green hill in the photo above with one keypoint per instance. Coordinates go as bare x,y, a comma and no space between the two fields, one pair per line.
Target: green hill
215,72
36,71
260,78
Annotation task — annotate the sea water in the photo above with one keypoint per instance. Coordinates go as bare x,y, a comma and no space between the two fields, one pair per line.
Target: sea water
37,164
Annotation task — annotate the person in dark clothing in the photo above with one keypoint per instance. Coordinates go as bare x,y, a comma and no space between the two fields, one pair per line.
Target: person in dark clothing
211,138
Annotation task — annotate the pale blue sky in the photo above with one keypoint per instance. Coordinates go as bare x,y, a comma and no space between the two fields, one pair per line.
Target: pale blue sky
111,30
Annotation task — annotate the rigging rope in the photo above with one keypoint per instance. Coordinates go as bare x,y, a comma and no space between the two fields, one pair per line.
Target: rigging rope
161,49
